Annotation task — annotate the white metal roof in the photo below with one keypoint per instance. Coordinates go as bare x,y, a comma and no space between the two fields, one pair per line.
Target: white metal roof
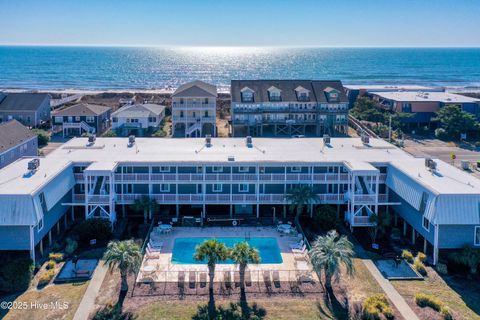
423,96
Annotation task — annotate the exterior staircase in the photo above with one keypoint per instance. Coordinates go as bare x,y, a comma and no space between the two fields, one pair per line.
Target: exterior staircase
79,125
193,128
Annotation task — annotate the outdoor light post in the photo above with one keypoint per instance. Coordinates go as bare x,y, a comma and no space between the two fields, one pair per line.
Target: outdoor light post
274,213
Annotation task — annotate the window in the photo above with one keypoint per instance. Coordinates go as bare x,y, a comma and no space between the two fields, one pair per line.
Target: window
164,169
115,119
477,236
164,187
58,119
40,225
406,107
247,96
152,119
129,188
43,203
181,101
243,187
296,169
205,101
217,187
217,169
90,119
274,96
243,169
77,118
206,114
181,114
426,224
423,203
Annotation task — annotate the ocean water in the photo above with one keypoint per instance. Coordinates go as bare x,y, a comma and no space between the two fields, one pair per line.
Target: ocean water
113,68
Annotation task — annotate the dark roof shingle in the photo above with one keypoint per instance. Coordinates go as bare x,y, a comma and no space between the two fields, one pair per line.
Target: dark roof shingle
13,133
82,109
196,89
23,101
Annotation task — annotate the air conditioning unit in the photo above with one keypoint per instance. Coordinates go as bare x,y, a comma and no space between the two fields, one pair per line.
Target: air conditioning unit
430,164
131,139
326,139
33,164
231,158
208,140
249,141
91,139
365,139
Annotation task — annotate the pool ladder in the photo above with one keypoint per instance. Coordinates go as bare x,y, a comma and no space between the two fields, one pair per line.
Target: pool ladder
247,235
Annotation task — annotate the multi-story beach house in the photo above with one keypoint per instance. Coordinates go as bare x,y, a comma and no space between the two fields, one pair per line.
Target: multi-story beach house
30,109
81,118
435,204
423,104
16,141
288,108
138,119
194,106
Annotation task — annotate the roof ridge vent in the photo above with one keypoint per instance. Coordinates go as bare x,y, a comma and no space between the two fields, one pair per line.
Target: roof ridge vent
249,141
208,140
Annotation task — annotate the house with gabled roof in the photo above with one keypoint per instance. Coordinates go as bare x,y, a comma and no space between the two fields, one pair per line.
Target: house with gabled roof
30,109
82,118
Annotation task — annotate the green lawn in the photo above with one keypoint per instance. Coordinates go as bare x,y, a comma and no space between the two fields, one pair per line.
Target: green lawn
462,296
71,294
275,308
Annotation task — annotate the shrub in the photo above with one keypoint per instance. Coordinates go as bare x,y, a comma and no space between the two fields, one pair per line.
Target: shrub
420,267
446,314
442,268
43,136
326,218
99,229
71,246
46,277
422,257
426,300
15,274
441,134
395,233
56,257
407,255
376,305
159,133
109,134
50,264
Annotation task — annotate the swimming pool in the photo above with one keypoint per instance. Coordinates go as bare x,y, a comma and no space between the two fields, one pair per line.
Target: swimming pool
184,248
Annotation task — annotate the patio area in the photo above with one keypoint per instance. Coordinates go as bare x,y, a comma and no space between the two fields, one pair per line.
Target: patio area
159,275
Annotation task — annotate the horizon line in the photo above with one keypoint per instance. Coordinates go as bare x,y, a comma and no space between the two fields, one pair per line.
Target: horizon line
229,46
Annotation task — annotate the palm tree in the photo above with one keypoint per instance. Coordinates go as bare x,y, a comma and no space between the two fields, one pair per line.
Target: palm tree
243,254
381,223
145,204
213,251
329,252
299,197
124,255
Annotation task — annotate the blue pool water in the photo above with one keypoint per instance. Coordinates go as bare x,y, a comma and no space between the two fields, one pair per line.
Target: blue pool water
184,248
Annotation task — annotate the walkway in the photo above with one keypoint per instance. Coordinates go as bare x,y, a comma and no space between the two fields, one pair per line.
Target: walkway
88,301
390,291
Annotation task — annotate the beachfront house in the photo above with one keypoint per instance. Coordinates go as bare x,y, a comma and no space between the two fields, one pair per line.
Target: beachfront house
288,108
138,119
16,141
433,203
30,109
423,104
81,118
194,107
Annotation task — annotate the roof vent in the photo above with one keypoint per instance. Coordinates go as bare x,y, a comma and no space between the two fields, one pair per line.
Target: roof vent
249,141
430,164
131,140
231,158
326,139
33,165
365,139
91,139
208,140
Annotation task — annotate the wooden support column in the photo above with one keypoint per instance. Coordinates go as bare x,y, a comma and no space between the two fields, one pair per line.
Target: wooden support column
258,211
425,245
404,228
177,210
65,220
413,235
284,211
50,237
231,210
58,228
41,247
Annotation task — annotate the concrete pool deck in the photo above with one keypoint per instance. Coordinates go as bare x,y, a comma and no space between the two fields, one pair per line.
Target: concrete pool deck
163,270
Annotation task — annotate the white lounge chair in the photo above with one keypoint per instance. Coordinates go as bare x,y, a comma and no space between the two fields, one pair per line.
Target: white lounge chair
297,245
301,249
155,244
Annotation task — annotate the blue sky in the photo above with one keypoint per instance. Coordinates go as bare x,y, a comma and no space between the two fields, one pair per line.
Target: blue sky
242,22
